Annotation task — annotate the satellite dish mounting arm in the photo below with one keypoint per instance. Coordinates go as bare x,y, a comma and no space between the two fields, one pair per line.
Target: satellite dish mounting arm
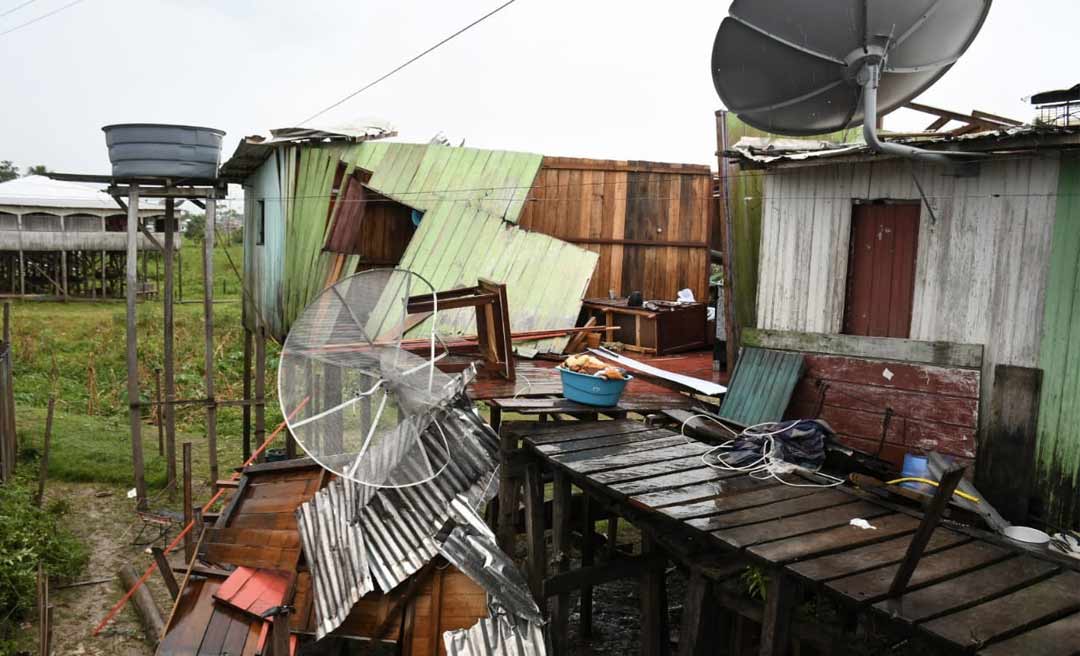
868,78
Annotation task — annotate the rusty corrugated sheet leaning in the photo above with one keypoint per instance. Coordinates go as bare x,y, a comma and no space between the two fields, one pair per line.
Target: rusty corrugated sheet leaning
356,536
497,635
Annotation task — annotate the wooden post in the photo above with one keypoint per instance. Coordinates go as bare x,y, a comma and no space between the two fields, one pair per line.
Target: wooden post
654,626
613,535
45,614
246,410
7,322
588,551
260,386
158,408
780,599
534,528
104,280
167,345
946,486
1005,464
145,607
166,571
22,259
134,407
208,322
698,635
509,490
560,545
732,323
189,545
45,452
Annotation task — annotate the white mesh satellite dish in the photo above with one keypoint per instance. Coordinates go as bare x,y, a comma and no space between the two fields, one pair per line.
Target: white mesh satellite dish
798,68
356,401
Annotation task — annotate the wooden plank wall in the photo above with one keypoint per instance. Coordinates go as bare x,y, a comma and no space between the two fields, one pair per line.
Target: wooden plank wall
649,222
925,397
1058,456
983,252
929,408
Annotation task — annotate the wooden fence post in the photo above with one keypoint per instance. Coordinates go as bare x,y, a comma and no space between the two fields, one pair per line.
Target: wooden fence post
44,474
189,547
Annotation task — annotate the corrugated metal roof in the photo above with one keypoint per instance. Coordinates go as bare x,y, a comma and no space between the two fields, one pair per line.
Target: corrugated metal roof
469,197
42,191
357,536
426,176
761,386
770,150
498,636
545,278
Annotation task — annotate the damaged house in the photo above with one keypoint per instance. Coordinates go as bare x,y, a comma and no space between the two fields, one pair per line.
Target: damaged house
936,304
304,559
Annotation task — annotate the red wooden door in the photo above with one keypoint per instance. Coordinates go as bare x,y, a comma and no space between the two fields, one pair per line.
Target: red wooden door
881,269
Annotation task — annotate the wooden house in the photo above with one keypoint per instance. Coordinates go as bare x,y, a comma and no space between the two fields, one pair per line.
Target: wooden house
939,306
322,205
66,239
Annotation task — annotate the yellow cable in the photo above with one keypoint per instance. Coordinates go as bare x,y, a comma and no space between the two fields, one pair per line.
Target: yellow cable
913,479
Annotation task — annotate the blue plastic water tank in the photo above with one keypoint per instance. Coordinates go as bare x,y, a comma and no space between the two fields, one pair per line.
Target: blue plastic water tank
156,150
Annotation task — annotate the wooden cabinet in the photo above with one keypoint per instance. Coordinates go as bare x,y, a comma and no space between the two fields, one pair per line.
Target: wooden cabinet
659,329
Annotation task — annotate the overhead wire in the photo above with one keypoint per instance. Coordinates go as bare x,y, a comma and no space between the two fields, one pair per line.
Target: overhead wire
415,58
41,17
17,8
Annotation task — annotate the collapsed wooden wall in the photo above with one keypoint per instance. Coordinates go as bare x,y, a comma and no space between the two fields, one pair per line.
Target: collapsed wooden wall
649,222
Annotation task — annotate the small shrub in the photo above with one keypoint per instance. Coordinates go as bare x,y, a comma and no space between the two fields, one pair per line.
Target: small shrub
756,582
28,536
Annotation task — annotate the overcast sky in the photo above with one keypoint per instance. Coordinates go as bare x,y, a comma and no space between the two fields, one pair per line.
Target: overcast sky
624,79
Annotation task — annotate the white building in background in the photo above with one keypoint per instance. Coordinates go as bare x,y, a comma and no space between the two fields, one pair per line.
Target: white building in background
67,239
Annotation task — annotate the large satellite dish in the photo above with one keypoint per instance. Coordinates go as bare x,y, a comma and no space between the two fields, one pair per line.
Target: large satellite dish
355,399
797,67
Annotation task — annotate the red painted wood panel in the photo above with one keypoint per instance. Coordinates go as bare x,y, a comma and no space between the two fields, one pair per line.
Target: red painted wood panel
881,270
931,408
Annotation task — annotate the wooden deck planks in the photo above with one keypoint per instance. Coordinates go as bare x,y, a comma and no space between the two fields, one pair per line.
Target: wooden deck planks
870,557
968,592
965,590
840,538
873,585
655,441
702,474
1059,638
742,493
811,522
570,446
635,472
774,511
1010,614
672,452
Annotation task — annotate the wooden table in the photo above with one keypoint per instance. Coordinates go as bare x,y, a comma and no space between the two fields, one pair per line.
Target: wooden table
972,591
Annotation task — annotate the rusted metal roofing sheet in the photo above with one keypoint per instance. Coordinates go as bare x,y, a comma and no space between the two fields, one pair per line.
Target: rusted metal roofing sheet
545,278
426,176
356,536
497,636
761,386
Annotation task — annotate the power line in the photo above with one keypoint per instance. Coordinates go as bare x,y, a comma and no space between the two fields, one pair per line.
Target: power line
41,17
17,8
422,54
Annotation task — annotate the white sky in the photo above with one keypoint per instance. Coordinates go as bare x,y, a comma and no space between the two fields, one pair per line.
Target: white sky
625,79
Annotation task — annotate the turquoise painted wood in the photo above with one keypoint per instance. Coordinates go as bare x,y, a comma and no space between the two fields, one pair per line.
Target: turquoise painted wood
761,386
1058,450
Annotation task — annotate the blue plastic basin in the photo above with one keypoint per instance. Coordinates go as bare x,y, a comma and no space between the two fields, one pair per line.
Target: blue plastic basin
592,390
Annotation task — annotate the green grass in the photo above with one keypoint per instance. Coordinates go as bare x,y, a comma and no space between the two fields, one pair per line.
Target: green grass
77,352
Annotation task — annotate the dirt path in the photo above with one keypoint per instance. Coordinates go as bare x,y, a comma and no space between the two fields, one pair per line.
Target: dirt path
104,519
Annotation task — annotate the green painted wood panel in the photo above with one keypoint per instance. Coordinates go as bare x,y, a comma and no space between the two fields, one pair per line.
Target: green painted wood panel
471,199
1058,450
761,386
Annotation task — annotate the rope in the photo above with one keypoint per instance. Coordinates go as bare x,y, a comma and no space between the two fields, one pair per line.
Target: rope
179,536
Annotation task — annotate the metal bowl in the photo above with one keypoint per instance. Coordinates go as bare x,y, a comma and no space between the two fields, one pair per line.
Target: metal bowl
1026,534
